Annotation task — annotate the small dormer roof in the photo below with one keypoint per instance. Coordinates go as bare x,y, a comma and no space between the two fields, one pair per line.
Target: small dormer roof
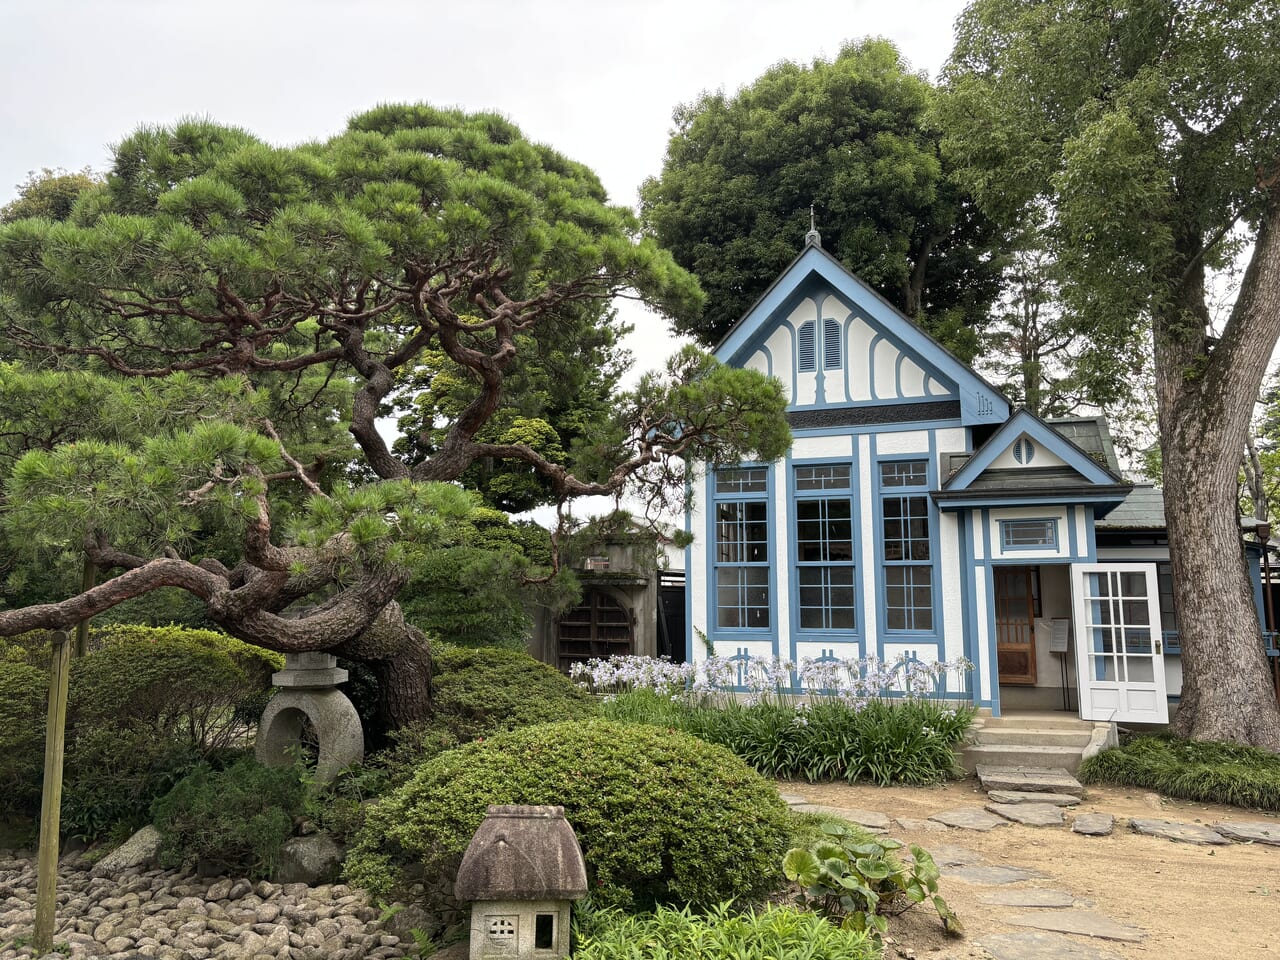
522,853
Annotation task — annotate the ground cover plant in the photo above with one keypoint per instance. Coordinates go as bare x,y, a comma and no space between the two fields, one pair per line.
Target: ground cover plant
842,726
1191,770
662,817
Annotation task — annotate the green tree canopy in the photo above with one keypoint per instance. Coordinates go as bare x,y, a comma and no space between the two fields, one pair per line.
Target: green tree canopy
419,242
851,137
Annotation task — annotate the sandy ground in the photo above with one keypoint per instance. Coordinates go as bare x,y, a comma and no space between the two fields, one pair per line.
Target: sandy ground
1193,901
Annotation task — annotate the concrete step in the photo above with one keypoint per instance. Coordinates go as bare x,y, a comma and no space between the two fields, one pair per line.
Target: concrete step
1038,720
1039,779
1020,755
1034,736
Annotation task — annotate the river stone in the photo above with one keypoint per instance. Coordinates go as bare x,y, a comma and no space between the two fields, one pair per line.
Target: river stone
1184,832
1029,898
1246,831
1029,814
1029,796
1085,923
140,849
1029,779
994,875
970,818
1035,945
1093,824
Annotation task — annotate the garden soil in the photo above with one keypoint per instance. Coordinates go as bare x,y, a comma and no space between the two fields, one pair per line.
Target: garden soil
1221,903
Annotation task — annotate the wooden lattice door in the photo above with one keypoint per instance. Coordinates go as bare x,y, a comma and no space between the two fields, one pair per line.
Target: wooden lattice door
598,627
1017,594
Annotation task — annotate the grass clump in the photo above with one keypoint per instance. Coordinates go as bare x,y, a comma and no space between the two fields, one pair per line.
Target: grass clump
1206,771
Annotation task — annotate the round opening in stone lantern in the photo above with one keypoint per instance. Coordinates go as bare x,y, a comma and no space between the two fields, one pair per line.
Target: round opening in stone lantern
308,692
521,872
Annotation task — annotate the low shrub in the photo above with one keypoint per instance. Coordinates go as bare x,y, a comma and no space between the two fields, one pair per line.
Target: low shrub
908,741
478,692
235,819
1206,771
778,933
662,817
24,691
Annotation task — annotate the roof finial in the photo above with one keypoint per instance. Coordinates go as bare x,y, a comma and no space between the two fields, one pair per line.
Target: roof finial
812,237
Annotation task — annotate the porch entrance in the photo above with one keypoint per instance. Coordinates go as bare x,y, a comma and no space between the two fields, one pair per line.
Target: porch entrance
1017,601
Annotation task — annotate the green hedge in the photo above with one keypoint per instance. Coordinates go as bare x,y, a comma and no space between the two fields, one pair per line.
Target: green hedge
1191,770
662,817
24,692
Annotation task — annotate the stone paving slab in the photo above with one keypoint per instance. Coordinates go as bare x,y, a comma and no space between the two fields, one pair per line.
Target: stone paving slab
866,818
1027,796
1035,945
1085,923
1029,898
970,818
841,812
950,855
1250,831
793,799
1029,814
1093,824
1029,779
1183,832
913,825
994,875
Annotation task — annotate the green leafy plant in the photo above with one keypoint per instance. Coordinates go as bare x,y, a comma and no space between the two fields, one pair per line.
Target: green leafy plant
1207,771
662,817
772,933
853,879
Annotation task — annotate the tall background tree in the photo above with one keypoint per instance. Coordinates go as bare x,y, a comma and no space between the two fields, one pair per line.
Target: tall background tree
310,285
1151,130
851,137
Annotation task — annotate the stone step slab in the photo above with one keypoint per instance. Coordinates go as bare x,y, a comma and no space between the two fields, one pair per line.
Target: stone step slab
914,825
1029,779
1038,721
1029,814
950,855
970,818
991,875
1250,831
1182,832
1038,945
1030,736
1042,898
1028,796
1093,824
1083,923
1025,755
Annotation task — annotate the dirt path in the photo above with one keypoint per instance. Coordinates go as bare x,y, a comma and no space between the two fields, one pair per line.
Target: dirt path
1192,901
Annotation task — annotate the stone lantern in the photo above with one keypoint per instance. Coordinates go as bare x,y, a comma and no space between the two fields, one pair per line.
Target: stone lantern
521,872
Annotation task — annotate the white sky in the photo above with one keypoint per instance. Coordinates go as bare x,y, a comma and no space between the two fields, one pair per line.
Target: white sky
596,79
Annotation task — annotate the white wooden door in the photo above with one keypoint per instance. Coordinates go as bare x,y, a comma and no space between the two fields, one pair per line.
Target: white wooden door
1119,655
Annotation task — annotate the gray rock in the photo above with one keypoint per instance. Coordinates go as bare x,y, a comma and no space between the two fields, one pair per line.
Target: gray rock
1029,898
866,818
309,860
970,818
1084,923
912,825
1035,945
1029,814
1093,824
949,855
1031,796
1182,832
995,875
140,849
118,944
1250,831
219,890
1029,779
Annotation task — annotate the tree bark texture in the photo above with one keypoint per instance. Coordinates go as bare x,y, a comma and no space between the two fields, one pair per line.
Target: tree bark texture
1206,394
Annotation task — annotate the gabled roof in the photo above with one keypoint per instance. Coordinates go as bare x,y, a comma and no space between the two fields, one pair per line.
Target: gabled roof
1024,422
1090,434
980,402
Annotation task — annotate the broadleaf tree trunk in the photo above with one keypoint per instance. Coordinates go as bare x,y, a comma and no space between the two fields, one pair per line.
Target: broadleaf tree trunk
1206,395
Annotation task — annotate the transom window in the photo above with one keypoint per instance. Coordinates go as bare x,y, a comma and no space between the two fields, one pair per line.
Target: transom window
745,480
1026,534
742,549
824,548
908,551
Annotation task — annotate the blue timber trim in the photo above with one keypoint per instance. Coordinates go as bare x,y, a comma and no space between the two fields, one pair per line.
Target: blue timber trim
1025,422
907,426
816,269
1013,500
690,655
1072,521
968,599
743,634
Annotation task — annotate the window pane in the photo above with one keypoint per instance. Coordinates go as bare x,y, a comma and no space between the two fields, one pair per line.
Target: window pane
904,473
834,477
741,480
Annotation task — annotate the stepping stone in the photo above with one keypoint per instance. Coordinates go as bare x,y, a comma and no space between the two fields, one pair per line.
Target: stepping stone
826,808
1093,824
970,818
1084,923
1034,945
994,875
1029,779
1029,898
865,818
1029,814
1184,832
792,799
1020,796
949,855
1246,831
912,825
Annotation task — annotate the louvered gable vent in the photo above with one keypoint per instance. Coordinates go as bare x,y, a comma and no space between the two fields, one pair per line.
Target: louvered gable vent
808,360
831,344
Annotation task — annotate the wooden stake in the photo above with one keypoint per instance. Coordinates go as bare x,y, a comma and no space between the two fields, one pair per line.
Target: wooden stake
87,583
51,797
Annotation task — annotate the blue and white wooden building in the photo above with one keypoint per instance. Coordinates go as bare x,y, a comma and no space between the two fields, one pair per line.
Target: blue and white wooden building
917,513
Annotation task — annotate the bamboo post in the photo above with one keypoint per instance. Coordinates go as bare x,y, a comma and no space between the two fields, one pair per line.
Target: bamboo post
51,796
87,582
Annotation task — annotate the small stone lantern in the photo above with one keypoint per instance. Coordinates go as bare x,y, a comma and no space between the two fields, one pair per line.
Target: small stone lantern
521,872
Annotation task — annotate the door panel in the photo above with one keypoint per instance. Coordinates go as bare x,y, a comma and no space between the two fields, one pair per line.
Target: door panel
1119,657
1017,598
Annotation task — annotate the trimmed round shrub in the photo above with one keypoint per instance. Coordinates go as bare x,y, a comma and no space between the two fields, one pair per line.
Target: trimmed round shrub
480,691
233,820
662,817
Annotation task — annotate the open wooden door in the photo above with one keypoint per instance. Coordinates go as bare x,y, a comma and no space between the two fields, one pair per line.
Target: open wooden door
1017,598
